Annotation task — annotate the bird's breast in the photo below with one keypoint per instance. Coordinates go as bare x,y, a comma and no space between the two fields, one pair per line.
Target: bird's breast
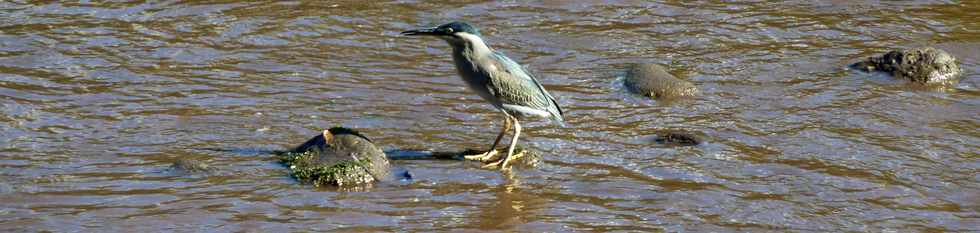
476,77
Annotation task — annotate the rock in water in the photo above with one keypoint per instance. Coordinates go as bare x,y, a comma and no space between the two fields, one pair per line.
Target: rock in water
654,81
678,139
191,166
925,65
339,156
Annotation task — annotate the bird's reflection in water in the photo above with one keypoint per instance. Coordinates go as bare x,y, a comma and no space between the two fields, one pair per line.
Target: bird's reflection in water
514,204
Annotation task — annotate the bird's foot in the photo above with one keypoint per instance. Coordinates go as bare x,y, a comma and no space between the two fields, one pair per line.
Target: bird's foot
488,156
495,159
504,163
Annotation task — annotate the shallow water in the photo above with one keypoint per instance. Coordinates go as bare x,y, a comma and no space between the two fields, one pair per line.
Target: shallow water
99,99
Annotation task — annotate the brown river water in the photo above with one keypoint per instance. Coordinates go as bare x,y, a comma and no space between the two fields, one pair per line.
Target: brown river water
98,99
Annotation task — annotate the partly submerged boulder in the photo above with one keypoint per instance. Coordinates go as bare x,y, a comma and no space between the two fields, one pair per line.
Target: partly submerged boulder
653,80
925,65
339,156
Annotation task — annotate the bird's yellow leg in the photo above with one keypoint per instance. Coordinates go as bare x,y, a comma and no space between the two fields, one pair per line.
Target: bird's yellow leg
498,164
505,162
492,154
513,143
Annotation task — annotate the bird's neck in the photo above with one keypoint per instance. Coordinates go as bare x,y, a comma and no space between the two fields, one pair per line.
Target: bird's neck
473,45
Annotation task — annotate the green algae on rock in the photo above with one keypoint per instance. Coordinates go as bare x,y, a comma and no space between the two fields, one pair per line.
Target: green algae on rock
305,168
339,156
924,65
654,81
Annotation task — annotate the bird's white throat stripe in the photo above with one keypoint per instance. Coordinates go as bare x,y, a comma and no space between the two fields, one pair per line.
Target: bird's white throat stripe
476,43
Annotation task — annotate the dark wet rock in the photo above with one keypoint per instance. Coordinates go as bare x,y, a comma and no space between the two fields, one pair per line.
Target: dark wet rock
678,139
339,156
405,175
925,65
191,166
653,80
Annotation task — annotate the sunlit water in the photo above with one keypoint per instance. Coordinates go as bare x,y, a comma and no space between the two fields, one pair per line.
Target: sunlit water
99,99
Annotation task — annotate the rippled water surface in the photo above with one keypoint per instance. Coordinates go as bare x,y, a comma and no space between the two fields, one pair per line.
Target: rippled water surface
99,99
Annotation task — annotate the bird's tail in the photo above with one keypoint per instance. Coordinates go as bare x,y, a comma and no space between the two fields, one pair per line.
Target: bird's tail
556,116
560,123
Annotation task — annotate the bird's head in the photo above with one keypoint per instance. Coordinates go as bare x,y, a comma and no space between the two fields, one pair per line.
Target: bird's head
456,33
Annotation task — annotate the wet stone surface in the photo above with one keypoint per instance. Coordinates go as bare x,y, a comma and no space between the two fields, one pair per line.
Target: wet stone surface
654,81
924,65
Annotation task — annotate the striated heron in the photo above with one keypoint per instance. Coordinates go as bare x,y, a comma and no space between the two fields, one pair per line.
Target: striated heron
508,86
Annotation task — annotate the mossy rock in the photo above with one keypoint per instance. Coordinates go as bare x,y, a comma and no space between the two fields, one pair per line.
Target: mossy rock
338,156
924,65
654,81
305,168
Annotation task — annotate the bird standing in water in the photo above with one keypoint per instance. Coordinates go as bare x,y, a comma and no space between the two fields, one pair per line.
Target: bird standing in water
508,86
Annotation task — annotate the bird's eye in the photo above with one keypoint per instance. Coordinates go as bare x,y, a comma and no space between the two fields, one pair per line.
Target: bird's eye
449,30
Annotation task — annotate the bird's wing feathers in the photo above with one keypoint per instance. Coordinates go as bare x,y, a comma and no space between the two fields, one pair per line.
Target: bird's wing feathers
546,93
515,85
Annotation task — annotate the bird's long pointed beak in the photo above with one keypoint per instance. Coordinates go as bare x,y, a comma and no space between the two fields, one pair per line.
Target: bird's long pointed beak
418,32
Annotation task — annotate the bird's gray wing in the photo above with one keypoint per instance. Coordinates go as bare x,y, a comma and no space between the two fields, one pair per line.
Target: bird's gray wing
515,85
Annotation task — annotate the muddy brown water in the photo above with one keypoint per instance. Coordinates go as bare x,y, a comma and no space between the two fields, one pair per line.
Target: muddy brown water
99,99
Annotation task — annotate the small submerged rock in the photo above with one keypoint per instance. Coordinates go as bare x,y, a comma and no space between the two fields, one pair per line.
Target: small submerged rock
678,139
191,166
925,65
339,156
653,80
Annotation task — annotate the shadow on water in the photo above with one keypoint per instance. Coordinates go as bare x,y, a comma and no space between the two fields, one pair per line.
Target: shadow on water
243,151
420,154
398,173
393,154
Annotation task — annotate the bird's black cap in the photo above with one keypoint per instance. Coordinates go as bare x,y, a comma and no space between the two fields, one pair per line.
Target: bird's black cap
445,29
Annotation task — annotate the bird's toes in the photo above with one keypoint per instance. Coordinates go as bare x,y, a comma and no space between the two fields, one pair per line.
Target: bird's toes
495,159
484,157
